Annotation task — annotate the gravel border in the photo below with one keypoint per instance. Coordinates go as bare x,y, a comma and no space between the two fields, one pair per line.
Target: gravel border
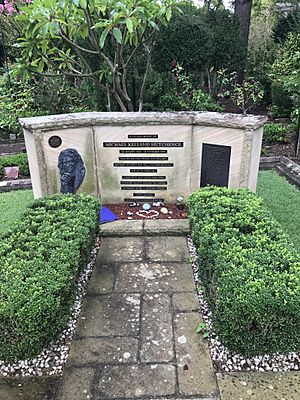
223,359
51,361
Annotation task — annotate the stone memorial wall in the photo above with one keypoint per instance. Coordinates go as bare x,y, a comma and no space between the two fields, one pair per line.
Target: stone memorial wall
142,157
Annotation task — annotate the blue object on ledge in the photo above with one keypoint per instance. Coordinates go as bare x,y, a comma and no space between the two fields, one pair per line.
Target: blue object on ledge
106,215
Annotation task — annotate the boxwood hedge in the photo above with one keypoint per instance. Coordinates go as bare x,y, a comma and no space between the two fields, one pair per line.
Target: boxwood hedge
41,257
250,272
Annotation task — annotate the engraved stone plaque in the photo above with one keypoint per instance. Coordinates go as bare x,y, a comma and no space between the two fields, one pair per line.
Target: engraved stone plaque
215,165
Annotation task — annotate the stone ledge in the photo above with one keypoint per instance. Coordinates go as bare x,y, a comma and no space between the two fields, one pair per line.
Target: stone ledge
284,166
123,228
227,120
8,186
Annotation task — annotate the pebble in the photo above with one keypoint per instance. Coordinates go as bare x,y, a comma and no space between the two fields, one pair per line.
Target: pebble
132,204
164,210
146,206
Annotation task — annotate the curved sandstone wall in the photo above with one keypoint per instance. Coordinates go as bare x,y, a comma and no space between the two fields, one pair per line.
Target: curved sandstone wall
144,156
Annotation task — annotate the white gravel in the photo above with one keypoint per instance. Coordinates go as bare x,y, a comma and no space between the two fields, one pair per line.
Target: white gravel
223,359
52,360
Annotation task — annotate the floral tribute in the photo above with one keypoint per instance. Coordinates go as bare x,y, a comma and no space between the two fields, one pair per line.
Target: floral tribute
12,6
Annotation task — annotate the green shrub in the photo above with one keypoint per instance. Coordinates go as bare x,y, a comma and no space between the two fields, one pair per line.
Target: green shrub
250,273
281,101
41,257
202,101
15,160
275,133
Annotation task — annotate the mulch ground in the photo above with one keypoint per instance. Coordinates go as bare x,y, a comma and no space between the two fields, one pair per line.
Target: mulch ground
124,211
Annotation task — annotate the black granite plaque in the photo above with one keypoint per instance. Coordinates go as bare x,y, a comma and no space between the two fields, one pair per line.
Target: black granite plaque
144,170
143,177
128,200
140,151
215,165
143,183
143,188
142,144
144,194
143,158
165,165
54,141
142,136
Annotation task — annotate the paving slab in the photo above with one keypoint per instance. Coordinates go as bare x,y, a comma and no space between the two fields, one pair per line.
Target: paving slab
195,371
109,315
77,384
156,329
259,386
169,248
41,388
172,227
122,228
187,301
103,350
137,381
102,280
114,250
155,277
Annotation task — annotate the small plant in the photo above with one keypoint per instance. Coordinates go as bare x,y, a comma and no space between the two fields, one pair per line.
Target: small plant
275,133
244,95
202,328
189,98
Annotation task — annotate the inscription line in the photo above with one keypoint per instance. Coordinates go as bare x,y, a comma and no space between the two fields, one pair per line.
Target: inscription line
166,165
143,158
141,177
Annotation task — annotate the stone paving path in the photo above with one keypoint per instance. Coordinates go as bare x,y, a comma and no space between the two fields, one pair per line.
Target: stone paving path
136,335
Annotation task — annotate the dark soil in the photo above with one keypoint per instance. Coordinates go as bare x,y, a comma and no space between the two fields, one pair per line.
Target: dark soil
124,211
282,149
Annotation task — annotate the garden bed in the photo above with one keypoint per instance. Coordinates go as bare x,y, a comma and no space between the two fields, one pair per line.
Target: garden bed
125,211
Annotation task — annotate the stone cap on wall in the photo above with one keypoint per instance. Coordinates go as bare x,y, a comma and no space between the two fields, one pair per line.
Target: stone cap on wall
204,118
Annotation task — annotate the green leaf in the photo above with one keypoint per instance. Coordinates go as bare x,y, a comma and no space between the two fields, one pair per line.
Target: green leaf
83,3
118,35
129,25
202,326
168,14
103,38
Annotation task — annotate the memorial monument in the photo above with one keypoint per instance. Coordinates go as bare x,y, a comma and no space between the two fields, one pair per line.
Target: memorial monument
142,157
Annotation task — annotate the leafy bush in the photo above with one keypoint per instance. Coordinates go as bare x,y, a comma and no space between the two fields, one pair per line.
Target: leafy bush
251,275
275,133
41,257
15,160
281,101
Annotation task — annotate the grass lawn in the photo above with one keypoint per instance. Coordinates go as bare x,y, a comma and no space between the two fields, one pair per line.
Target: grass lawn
283,199
12,205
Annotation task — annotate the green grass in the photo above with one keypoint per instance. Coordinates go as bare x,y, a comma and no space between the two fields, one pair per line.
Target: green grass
283,199
12,206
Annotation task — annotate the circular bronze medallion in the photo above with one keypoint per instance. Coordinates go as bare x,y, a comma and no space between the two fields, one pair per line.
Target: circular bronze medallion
54,141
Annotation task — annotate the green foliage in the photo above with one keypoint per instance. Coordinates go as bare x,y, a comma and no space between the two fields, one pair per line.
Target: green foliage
19,160
41,257
13,205
281,101
250,273
275,133
286,68
202,42
185,97
16,101
289,22
65,37
244,95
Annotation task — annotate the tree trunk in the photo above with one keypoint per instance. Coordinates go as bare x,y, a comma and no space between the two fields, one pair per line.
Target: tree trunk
242,10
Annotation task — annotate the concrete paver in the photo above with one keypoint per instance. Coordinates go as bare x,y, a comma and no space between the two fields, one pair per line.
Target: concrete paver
77,384
156,329
195,371
168,248
155,277
259,386
39,388
109,315
138,380
117,250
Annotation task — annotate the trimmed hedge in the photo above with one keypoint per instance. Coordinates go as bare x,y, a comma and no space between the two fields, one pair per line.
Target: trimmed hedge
250,273
15,160
41,257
